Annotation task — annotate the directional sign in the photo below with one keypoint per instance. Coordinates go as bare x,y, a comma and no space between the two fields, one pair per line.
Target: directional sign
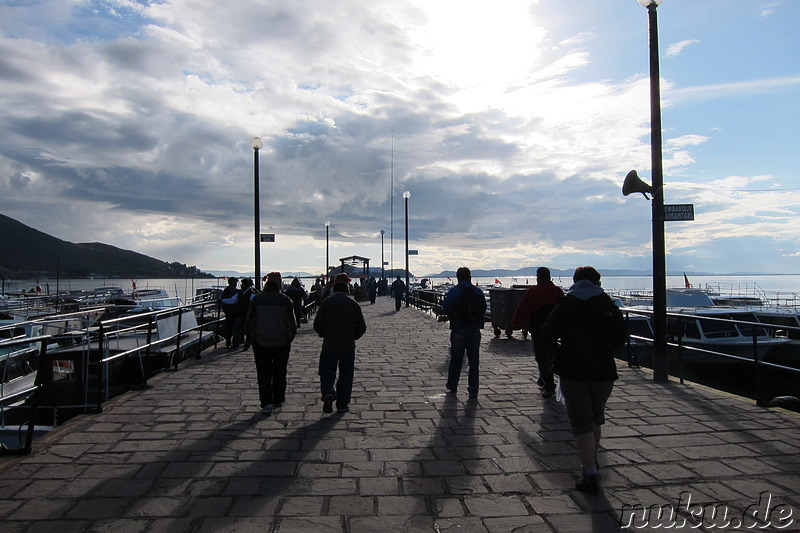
674,212
267,237
413,252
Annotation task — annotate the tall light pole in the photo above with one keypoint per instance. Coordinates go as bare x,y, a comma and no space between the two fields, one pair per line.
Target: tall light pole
660,365
406,196
327,248
383,231
256,144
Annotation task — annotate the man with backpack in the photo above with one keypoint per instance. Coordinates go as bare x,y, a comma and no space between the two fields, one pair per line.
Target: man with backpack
531,312
465,307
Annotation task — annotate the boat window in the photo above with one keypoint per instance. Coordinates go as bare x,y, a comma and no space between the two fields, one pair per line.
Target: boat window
746,329
640,327
717,329
685,328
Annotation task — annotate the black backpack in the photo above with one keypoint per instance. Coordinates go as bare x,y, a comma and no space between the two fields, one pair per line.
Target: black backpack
467,308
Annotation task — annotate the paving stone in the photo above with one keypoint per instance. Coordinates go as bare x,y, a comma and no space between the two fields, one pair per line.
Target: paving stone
192,453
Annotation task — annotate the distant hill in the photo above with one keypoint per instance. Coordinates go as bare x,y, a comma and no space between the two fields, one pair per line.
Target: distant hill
530,272
27,253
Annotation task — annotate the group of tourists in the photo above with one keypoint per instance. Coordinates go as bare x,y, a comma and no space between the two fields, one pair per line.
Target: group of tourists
573,335
269,320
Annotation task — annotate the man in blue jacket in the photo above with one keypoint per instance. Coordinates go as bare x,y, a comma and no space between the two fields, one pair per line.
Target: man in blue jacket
465,307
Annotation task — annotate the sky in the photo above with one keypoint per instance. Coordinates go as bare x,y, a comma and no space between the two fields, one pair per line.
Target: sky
512,123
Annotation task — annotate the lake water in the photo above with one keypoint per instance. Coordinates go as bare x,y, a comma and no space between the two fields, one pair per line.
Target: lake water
185,288
788,283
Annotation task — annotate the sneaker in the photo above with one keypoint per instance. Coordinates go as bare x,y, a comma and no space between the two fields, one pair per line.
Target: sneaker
343,410
267,409
327,404
588,484
473,395
548,392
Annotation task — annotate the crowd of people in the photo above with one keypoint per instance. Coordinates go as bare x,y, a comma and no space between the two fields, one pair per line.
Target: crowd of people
573,336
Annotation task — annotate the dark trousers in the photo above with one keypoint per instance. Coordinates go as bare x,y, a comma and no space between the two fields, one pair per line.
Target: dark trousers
271,363
542,356
469,341
230,330
398,300
329,360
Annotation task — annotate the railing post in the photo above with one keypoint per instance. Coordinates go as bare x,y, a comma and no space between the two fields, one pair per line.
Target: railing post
177,352
757,362
100,363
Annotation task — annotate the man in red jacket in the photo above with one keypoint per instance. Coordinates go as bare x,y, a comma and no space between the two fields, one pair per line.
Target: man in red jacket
532,311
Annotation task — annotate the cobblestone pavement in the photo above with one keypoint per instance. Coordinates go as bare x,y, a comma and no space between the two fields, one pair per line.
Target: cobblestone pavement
192,452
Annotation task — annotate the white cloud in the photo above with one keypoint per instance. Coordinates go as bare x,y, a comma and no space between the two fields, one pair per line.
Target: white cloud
676,48
136,133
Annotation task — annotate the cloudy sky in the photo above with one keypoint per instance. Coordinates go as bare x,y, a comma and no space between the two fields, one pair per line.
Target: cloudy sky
512,123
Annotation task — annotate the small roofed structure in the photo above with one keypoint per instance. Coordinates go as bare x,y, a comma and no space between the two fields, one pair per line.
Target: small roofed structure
355,261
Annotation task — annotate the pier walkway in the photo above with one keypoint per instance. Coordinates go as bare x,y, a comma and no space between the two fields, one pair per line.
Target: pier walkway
192,453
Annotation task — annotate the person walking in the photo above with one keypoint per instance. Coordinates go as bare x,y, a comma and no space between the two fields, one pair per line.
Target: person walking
273,328
298,295
372,290
465,306
340,323
589,326
246,296
398,290
229,299
531,312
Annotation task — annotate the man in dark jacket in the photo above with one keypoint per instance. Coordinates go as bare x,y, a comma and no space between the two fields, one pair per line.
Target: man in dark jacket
273,328
531,312
340,323
298,295
229,299
398,290
465,307
589,326
245,297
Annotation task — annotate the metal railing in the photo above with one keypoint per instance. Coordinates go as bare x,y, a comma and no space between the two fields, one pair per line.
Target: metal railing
83,340
34,390
682,346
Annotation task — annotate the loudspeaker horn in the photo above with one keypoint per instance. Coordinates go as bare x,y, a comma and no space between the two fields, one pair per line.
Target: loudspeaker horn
633,183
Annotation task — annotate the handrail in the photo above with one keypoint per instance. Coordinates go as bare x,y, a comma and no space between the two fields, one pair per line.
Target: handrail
758,364
37,386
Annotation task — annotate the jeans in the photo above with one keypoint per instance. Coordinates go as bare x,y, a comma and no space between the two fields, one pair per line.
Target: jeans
462,340
398,301
271,363
329,359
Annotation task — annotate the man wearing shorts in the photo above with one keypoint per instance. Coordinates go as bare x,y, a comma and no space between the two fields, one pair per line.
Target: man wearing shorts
583,330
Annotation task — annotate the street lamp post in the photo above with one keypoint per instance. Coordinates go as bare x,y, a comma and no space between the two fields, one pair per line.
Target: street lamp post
406,196
256,144
327,248
660,365
383,263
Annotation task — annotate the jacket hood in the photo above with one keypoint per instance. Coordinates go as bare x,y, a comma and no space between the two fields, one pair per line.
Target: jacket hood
585,289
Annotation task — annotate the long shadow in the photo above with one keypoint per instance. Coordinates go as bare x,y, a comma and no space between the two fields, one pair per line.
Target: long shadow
207,467
553,445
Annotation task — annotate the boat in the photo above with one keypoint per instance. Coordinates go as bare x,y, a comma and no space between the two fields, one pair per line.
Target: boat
696,320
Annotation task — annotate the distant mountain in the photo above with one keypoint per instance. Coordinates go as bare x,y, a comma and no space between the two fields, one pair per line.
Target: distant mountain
28,253
530,272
